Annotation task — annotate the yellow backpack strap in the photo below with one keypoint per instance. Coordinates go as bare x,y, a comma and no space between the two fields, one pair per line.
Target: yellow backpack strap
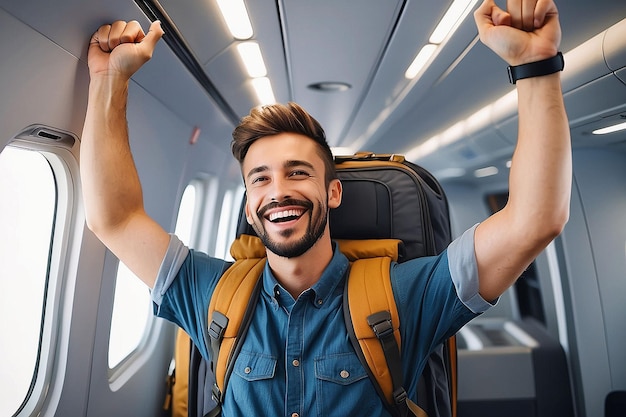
230,310
370,307
452,355
177,396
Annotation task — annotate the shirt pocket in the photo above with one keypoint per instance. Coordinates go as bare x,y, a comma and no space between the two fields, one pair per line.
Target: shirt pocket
343,387
254,366
341,368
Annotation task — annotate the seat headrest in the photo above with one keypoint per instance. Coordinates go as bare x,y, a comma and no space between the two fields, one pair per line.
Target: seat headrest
365,213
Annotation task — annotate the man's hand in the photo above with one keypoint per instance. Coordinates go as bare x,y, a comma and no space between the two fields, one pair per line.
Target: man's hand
528,31
121,48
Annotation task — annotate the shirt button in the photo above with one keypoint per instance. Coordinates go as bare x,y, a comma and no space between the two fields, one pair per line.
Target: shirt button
247,370
320,302
295,415
295,362
344,374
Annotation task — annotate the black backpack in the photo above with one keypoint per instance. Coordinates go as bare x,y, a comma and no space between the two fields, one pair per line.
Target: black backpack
384,197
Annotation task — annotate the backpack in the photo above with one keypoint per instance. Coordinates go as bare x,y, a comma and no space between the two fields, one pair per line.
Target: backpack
410,207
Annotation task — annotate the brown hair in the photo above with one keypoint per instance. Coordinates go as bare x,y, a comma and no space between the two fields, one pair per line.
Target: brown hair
279,118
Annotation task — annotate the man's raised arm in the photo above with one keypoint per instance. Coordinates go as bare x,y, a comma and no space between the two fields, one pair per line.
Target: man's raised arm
540,177
111,188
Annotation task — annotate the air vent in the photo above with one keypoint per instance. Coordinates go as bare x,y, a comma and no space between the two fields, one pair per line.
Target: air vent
46,134
330,86
42,133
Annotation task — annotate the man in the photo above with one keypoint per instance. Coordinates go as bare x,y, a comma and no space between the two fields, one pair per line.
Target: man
290,361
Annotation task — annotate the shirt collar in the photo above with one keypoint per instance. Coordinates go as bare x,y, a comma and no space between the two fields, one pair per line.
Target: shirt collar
332,276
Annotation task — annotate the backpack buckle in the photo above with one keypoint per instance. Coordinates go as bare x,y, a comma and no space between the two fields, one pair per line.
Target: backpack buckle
216,394
218,325
400,396
380,323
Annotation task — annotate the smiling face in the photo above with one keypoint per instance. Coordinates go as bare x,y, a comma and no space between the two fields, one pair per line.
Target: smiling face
287,197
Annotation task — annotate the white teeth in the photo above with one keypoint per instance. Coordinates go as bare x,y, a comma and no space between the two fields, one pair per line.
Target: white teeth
286,213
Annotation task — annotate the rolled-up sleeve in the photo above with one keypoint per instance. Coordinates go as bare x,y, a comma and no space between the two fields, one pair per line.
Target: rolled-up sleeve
172,261
464,272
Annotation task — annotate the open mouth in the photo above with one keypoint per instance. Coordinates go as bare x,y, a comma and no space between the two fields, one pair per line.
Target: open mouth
285,215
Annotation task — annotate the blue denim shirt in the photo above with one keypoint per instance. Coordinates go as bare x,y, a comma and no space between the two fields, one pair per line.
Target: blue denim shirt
297,357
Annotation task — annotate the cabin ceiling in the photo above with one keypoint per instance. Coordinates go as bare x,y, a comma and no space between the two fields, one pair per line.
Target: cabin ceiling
366,44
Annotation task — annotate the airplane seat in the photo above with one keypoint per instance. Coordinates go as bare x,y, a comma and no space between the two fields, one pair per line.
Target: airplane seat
522,370
346,223
615,404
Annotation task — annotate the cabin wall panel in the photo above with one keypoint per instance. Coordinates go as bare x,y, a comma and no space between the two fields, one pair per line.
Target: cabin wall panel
607,230
69,392
159,144
130,395
593,277
40,83
596,98
169,82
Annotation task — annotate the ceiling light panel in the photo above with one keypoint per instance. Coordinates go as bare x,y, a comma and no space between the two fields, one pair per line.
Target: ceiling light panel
451,20
610,129
236,17
263,88
420,61
455,14
250,54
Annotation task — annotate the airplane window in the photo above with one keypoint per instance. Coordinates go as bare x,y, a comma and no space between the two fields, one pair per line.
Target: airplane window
228,223
186,212
221,247
131,315
234,219
28,194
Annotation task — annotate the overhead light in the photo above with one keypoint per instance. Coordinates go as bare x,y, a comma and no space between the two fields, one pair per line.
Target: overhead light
610,129
250,54
455,14
236,17
263,88
420,61
238,22
485,172
448,24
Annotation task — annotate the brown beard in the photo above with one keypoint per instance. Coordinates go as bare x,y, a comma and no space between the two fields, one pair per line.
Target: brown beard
315,229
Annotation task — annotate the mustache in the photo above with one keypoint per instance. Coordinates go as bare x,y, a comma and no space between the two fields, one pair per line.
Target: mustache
285,203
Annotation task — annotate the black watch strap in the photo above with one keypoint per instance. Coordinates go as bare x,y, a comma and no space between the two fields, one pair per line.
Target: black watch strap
536,69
